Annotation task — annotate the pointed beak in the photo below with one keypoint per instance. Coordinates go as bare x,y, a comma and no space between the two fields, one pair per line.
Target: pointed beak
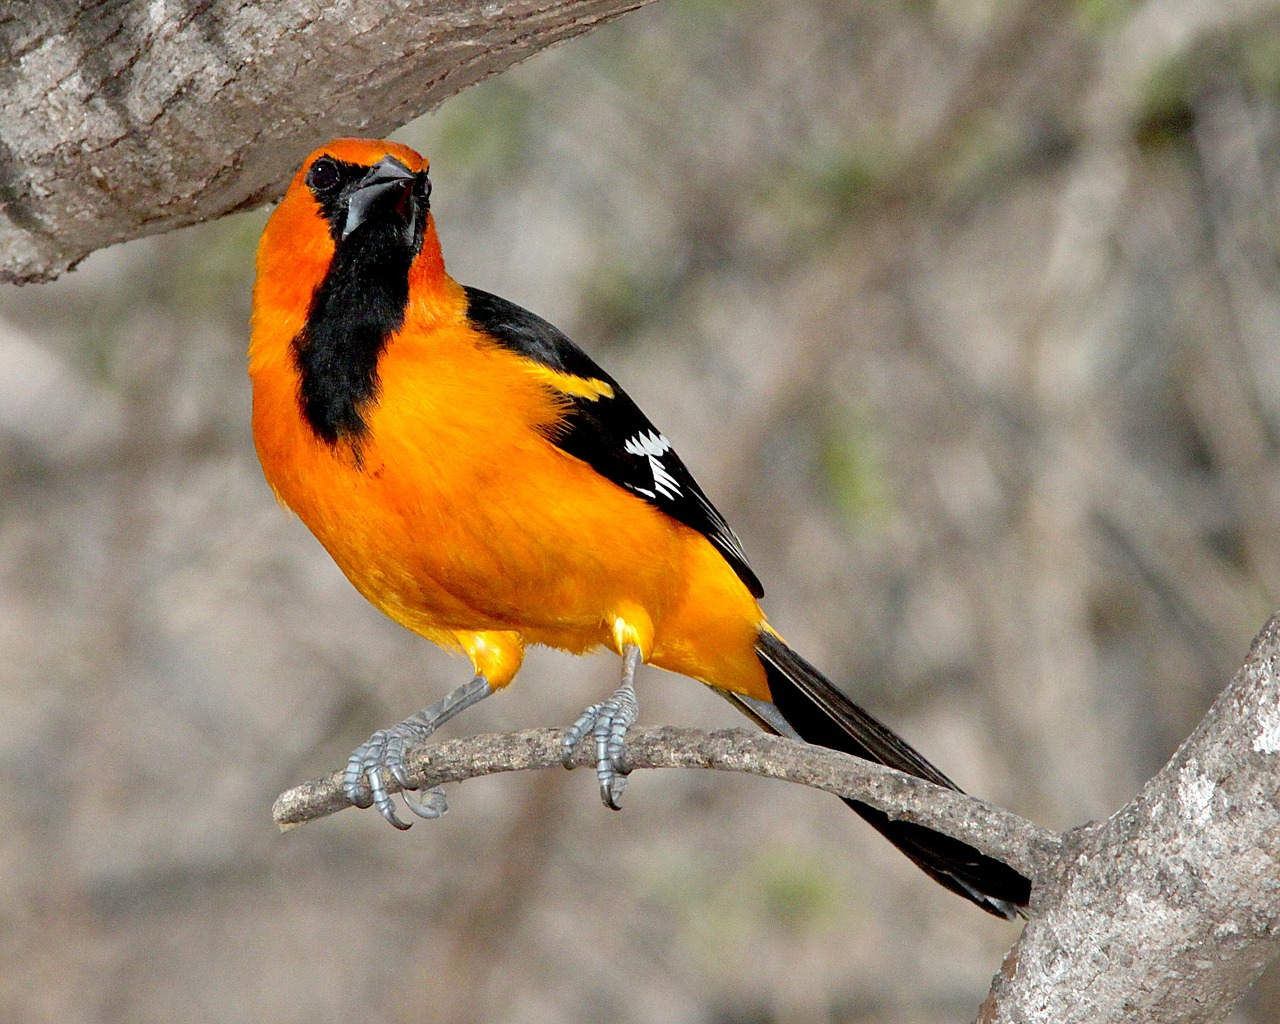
385,179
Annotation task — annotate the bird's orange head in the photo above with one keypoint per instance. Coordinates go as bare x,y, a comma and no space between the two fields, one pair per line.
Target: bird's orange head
353,203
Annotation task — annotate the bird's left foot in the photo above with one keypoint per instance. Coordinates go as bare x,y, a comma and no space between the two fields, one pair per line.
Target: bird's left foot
608,723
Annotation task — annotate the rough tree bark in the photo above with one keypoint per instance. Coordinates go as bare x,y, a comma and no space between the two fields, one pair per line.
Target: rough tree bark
1170,909
1166,913
1021,843
122,119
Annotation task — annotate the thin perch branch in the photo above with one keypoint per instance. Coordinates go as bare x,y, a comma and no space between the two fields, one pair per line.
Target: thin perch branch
992,830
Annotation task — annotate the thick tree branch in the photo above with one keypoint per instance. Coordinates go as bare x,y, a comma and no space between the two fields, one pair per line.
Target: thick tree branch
1170,909
120,122
995,831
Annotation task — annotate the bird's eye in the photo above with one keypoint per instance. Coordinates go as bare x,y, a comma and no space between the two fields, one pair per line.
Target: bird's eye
324,175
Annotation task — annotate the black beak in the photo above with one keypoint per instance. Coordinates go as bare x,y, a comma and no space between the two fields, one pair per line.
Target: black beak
384,179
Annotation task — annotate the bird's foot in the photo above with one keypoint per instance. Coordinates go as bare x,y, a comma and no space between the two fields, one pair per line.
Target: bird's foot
383,756
608,723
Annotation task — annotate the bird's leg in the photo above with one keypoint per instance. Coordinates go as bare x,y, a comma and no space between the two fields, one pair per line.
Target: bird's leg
608,722
384,751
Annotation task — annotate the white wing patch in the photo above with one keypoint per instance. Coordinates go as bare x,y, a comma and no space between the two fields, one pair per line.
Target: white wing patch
653,445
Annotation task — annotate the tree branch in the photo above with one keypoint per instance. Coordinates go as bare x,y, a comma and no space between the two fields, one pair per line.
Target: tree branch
117,125
994,831
1170,909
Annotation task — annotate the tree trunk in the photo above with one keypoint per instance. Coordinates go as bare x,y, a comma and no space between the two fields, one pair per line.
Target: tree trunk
1170,909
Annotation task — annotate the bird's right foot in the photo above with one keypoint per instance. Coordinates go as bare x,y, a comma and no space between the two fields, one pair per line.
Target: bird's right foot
382,756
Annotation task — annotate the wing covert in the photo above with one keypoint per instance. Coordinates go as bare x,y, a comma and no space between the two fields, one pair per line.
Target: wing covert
606,429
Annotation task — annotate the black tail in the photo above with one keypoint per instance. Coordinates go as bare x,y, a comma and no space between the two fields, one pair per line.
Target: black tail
821,714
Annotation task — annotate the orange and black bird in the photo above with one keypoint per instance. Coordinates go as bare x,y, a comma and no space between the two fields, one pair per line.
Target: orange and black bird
484,483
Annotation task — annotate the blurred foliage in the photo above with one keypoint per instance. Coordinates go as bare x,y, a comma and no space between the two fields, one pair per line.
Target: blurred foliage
1105,16
620,300
487,134
781,890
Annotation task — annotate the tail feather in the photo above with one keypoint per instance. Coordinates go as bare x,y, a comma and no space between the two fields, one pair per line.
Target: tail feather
824,716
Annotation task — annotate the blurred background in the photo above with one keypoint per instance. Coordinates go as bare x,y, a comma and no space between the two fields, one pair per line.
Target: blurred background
965,313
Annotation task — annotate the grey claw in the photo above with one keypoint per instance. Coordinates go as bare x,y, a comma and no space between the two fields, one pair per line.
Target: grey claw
611,792
401,775
382,799
353,783
432,807
574,734
365,781
383,754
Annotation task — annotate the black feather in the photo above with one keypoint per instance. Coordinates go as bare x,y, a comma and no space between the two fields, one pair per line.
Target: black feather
358,306
824,716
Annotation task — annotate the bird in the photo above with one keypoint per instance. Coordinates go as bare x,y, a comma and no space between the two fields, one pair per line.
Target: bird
484,483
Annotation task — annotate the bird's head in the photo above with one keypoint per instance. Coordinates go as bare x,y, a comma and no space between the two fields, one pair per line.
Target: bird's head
377,191
352,201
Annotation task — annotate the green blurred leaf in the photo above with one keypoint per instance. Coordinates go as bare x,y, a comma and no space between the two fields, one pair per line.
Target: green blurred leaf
1166,116
781,889
855,474
797,893
1104,15
619,299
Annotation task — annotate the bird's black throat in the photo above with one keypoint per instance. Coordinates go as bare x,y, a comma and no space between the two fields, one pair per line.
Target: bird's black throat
354,312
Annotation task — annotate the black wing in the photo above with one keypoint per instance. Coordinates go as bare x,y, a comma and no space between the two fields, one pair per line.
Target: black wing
607,430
